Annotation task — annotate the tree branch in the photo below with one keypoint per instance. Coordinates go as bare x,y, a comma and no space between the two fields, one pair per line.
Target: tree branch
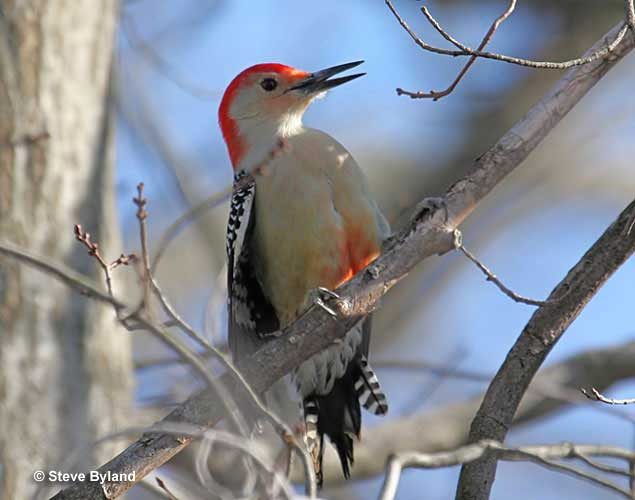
544,329
458,244
429,233
596,395
542,455
600,51
436,95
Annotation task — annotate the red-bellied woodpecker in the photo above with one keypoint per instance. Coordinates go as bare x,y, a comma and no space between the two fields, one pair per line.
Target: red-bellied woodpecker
301,222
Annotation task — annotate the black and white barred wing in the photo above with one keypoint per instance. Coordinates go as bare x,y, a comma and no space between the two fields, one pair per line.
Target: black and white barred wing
251,316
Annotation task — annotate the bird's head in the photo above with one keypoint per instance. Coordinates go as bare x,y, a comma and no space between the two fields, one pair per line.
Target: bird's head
266,102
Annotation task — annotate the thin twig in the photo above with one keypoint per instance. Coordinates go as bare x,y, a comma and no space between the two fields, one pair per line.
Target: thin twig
142,215
191,215
541,455
458,244
137,315
464,50
596,395
436,95
161,65
602,466
163,486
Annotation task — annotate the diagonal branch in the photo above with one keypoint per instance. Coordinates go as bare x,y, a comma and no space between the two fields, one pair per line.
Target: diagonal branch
545,328
458,244
428,234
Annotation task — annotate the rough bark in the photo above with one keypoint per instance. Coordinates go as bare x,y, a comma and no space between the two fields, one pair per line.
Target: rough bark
65,370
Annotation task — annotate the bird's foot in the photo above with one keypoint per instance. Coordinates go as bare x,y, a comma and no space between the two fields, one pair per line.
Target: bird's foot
321,296
429,205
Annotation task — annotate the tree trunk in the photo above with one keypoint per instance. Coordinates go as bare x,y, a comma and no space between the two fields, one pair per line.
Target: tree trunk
65,366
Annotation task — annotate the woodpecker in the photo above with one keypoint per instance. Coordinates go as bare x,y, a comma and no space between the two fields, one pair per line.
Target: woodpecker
301,223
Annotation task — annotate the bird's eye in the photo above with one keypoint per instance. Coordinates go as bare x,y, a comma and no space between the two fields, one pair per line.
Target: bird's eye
268,84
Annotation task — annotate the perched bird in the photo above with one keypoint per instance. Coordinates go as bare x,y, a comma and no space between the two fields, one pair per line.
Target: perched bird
301,223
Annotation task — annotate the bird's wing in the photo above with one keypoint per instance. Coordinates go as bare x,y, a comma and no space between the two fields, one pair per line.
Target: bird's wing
251,315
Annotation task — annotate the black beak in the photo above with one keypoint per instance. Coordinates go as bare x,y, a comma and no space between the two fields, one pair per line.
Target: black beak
319,81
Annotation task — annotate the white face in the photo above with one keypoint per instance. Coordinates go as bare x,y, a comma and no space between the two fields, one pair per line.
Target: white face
267,97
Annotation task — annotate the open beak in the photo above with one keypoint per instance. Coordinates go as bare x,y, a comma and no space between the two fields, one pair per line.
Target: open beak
319,81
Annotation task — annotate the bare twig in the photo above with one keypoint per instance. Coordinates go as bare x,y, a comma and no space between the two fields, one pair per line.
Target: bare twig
142,215
542,455
66,275
163,486
191,215
84,238
436,95
464,50
596,395
161,65
610,469
458,244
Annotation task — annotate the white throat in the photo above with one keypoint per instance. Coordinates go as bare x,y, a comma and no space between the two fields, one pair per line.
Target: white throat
263,136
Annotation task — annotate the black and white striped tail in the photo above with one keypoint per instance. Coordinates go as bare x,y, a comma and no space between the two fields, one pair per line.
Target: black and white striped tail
338,414
369,391
314,442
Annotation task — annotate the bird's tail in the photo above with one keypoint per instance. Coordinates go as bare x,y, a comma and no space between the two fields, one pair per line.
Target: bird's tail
338,414
369,391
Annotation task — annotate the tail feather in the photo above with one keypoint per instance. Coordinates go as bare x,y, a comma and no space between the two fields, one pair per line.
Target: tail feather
313,440
338,414
338,417
369,391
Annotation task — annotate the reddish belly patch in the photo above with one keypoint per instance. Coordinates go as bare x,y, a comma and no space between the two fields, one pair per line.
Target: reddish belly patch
357,251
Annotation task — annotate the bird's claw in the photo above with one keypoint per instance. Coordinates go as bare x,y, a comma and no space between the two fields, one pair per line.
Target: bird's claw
320,303
321,296
329,293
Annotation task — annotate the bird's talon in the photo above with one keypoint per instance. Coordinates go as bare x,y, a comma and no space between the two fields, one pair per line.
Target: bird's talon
320,303
328,292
